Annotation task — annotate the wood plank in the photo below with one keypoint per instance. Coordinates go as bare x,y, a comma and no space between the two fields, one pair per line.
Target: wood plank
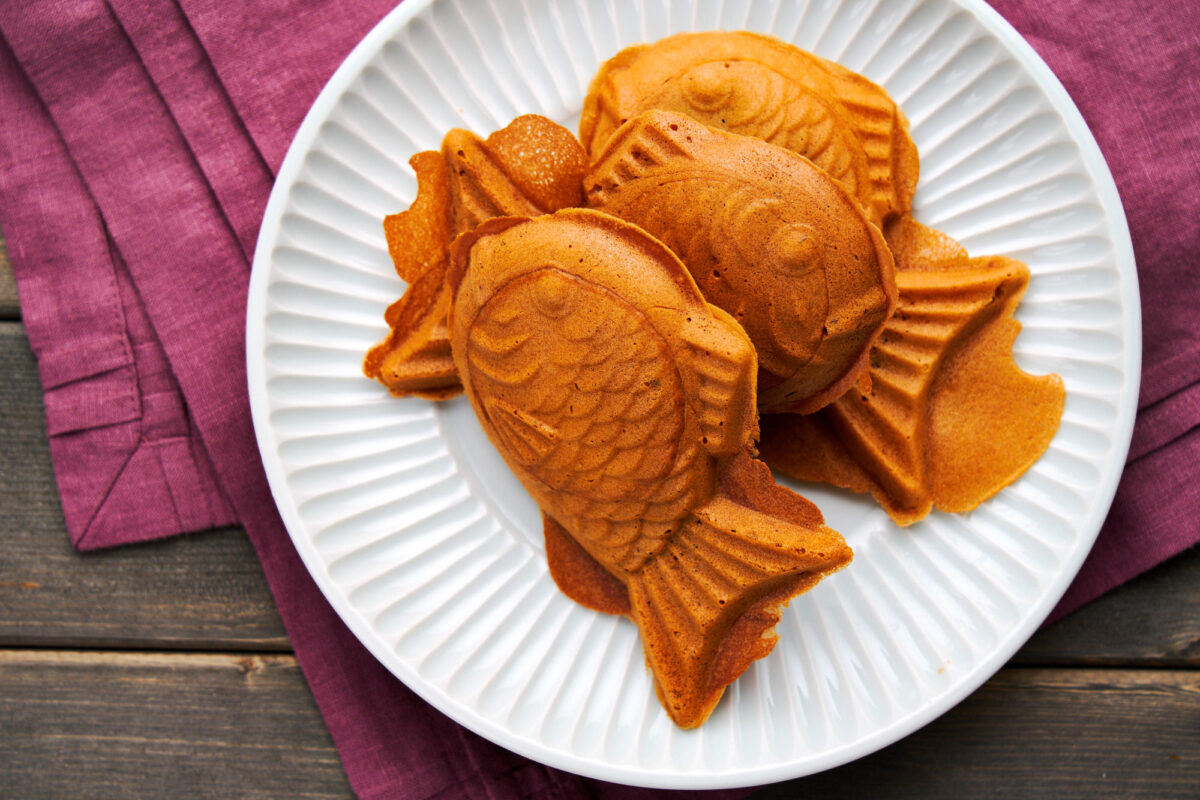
1058,733
204,591
8,286
219,725
207,591
1153,620
161,725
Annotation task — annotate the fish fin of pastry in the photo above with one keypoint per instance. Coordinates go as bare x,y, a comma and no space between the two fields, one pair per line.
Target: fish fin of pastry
718,367
529,167
707,605
532,166
578,575
527,437
886,428
415,357
882,129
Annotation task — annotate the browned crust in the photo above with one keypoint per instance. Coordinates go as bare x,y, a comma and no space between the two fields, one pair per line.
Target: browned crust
579,576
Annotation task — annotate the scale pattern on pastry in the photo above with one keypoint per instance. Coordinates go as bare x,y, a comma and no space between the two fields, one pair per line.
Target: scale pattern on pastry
768,237
763,87
532,166
625,405
949,418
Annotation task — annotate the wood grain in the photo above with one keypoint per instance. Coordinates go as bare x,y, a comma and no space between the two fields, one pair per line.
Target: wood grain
1152,620
1057,733
161,725
203,591
8,286
219,725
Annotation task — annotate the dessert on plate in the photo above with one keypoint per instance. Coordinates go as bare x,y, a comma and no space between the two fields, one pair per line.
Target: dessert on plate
532,166
949,418
624,403
768,237
731,263
759,86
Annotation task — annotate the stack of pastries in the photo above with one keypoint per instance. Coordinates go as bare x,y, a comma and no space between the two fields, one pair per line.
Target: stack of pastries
720,275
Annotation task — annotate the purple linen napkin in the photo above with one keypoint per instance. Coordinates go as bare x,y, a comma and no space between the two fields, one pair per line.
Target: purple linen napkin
128,461
138,149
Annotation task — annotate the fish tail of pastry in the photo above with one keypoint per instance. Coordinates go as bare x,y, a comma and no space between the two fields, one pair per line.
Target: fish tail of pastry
415,358
636,148
418,238
707,604
481,189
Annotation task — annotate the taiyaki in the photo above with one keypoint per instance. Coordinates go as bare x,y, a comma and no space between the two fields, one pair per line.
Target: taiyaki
624,403
768,237
530,167
949,419
760,86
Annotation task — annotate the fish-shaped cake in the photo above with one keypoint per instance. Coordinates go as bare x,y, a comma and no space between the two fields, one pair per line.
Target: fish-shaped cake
532,166
768,237
760,86
949,419
625,405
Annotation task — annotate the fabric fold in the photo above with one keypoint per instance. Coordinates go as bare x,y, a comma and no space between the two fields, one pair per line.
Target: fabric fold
274,56
96,354
1172,374
177,65
1162,423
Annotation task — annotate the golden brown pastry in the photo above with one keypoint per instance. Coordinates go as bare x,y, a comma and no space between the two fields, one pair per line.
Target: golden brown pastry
530,167
760,86
949,419
768,237
625,405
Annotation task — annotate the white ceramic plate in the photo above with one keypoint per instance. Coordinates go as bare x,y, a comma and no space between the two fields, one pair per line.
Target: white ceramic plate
431,551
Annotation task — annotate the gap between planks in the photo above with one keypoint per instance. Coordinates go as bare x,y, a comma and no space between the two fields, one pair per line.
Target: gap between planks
143,658
9,308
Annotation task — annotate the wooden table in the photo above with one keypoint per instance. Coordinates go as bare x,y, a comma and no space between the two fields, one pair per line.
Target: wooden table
162,670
